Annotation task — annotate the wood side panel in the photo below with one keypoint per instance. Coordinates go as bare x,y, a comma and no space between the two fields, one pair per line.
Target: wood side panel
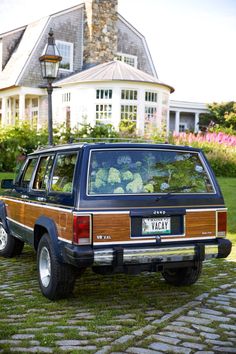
15,209
117,226
63,220
201,224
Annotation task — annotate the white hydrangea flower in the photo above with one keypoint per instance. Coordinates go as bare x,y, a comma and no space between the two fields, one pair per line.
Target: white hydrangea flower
179,157
124,159
198,168
164,186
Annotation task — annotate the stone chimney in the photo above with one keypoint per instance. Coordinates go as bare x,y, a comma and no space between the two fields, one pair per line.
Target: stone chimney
100,31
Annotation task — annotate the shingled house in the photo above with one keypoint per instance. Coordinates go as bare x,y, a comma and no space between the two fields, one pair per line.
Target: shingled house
106,74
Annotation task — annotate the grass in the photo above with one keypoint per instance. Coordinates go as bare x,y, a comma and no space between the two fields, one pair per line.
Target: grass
99,302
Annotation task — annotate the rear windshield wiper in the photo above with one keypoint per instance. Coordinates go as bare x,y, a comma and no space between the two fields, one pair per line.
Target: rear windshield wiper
173,190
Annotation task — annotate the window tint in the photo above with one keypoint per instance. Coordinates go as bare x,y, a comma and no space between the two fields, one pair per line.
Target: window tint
143,171
25,180
62,180
43,172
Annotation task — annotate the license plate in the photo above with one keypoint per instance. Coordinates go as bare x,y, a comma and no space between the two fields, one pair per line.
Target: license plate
156,226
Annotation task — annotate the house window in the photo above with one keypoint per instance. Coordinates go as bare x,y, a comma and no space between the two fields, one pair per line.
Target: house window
103,113
128,59
129,95
66,52
129,112
150,96
66,97
103,94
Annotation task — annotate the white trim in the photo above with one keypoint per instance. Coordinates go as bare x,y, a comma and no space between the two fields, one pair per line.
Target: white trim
65,240
18,223
183,239
128,56
71,46
39,204
25,65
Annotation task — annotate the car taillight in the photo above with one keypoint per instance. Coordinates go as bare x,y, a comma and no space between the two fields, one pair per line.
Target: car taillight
81,231
222,223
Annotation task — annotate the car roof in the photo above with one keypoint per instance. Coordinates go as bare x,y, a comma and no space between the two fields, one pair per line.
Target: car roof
109,145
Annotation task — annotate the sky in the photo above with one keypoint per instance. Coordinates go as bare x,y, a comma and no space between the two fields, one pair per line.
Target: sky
192,42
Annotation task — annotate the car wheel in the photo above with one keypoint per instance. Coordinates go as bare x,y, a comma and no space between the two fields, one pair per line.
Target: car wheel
9,246
183,276
56,280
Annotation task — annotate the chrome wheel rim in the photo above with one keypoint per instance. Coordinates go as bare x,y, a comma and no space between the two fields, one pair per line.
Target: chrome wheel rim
3,238
45,266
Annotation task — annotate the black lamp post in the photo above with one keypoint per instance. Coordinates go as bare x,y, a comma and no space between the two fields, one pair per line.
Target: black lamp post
49,65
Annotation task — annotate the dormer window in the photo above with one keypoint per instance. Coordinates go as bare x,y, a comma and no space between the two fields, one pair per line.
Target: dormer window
66,52
128,59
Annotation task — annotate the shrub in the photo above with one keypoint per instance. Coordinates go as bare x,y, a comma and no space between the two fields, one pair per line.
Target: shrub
220,149
17,141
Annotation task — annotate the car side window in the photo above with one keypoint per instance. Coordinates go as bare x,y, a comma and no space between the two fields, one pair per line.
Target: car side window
62,179
43,173
27,175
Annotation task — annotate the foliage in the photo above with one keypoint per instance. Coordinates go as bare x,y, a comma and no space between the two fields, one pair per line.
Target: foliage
220,149
127,128
221,115
17,141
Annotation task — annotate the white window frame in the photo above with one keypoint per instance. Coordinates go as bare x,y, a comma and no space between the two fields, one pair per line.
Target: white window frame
103,112
71,46
131,100
151,93
123,56
129,111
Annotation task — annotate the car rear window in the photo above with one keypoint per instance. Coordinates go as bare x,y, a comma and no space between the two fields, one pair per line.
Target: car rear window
147,172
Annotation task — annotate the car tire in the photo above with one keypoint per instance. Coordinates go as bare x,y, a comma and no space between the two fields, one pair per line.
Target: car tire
56,280
10,246
183,276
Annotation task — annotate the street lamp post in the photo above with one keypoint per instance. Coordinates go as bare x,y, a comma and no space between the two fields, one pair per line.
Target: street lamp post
49,65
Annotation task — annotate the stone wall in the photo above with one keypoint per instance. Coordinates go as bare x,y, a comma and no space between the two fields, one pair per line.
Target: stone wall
100,31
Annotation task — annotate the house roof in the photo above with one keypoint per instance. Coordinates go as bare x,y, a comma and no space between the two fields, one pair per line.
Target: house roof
12,71
112,71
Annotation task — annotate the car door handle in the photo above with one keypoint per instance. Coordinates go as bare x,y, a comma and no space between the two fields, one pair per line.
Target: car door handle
24,196
41,199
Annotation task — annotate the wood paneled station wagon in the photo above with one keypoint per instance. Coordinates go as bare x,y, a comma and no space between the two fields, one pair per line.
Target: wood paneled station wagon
114,207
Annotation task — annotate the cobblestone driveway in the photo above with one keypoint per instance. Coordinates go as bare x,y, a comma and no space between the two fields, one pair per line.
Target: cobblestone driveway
206,324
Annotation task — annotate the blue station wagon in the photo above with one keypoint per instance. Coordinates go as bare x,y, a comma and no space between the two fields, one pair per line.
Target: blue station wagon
114,207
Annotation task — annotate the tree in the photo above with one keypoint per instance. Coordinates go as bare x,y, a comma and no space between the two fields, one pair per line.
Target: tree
221,114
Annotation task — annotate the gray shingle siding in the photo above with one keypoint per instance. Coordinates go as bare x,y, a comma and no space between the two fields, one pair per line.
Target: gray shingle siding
9,44
67,27
130,42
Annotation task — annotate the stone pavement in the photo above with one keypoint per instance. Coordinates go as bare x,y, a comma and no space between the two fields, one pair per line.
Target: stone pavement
205,325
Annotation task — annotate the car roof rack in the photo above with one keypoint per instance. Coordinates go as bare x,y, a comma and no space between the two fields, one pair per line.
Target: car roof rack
112,140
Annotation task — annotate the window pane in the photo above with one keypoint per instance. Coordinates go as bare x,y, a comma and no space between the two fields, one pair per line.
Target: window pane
129,112
43,172
28,173
66,52
129,95
63,173
138,172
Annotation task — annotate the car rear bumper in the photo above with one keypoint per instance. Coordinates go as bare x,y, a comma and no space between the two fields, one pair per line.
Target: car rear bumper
84,256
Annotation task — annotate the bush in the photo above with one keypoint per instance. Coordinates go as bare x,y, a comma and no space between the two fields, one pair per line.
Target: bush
16,142
220,149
